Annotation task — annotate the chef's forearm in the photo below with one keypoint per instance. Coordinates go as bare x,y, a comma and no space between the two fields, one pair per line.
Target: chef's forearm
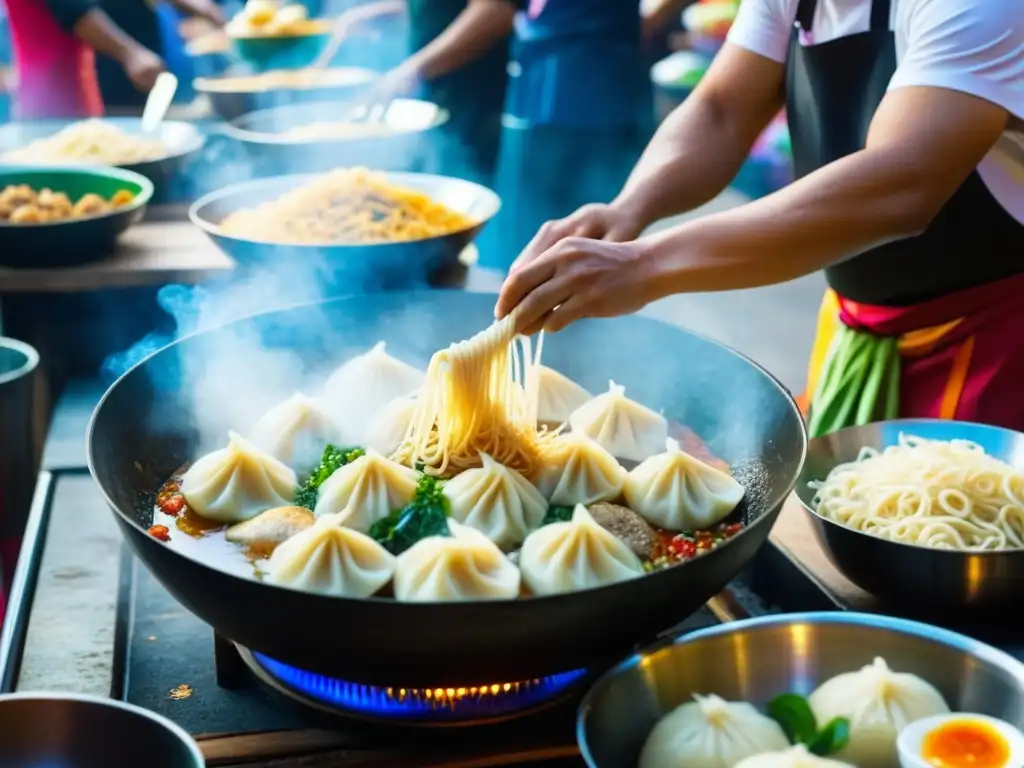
98,31
473,32
857,203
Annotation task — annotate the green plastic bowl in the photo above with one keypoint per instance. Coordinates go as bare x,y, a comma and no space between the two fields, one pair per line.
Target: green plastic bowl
74,241
280,51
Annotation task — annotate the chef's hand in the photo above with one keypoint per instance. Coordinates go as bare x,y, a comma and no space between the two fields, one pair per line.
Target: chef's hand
142,67
598,221
578,277
400,81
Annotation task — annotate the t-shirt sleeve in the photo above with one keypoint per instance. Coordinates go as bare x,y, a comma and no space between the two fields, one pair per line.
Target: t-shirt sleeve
972,46
764,26
68,12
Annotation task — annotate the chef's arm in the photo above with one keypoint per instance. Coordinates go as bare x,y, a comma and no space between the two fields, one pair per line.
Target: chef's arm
922,145
700,147
472,33
90,24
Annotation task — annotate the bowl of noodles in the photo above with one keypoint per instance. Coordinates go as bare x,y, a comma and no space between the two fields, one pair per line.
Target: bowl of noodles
117,142
58,217
358,228
924,513
265,34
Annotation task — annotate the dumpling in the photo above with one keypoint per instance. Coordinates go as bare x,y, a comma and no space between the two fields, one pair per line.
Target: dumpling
677,492
797,757
296,431
710,732
362,386
623,427
879,704
576,470
331,560
557,396
389,427
578,554
237,482
497,501
464,566
365,491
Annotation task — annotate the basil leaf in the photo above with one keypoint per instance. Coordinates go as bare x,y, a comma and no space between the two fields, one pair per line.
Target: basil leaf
832,738
792,712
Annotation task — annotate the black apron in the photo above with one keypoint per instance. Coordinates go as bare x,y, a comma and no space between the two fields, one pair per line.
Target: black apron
832,92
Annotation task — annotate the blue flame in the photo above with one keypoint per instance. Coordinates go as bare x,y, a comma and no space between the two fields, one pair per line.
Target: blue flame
433,705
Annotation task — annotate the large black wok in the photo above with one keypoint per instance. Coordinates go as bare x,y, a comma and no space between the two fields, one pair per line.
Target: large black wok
145,428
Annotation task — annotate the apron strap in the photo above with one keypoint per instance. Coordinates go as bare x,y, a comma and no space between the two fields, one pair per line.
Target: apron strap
880,13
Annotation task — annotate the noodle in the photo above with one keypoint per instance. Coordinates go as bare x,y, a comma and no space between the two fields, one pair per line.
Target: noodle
286,79
349,206
474,401
90,141
933,493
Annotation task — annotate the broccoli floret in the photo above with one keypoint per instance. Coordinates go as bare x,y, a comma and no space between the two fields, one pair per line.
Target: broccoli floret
334,458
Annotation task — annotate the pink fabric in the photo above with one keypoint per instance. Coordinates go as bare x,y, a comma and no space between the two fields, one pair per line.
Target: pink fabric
535,7
56,72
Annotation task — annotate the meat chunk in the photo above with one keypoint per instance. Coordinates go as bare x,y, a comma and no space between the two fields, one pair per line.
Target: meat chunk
626,525
263,533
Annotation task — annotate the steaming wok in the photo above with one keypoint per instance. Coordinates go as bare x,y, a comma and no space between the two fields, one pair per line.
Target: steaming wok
145,428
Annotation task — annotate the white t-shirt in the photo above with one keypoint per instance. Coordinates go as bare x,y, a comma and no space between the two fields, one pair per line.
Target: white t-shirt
972,46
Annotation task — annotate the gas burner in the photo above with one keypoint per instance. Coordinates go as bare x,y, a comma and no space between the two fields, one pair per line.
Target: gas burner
475,705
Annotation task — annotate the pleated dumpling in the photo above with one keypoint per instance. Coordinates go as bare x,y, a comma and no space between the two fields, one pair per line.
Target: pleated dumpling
795,757
331,560
497,501
710,732
296,431
576,470
237,482
879,703
578,554
390,425
362,386
464,566
557,396
677,492
366,490
623,427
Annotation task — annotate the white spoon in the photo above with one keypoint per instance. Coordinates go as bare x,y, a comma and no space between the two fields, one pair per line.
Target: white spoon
159,101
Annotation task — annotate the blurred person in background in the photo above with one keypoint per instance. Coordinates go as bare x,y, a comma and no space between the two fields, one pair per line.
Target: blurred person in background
55,42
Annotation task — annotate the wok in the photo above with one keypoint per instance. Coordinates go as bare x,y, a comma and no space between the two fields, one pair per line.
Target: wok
146,426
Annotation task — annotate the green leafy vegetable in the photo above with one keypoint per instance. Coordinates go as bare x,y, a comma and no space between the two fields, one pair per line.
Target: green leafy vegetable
794,714
426,515
334,458
557,514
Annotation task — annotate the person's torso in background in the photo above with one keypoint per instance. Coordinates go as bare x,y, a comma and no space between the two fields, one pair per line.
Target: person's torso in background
579,63
138,19
55,71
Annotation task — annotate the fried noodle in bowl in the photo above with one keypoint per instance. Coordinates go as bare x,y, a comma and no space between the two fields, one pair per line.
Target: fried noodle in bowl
939,494
94,142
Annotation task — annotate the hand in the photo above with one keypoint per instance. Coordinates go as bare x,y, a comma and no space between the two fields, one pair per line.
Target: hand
142,67
400,81
600,222
576,278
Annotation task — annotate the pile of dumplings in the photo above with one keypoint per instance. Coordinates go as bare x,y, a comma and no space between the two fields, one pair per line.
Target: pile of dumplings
879,703
497,547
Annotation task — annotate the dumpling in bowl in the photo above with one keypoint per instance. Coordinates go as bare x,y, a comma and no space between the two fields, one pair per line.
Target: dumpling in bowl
578,554
797,757
362,386
710,732
237,482
331,560
879,703
623,427
557,396
576,470
296,430
388,429
464,566
677,492
497,501
366,490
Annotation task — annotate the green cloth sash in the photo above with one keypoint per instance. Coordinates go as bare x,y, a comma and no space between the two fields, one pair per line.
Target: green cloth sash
859,383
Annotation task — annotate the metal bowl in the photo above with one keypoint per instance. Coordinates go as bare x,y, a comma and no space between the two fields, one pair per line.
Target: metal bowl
42,730
398,147
365,267
182,139
759,659
933,582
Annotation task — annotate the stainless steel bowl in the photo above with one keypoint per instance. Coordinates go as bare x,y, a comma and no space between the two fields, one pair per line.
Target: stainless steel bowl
43,730
928,581
758,659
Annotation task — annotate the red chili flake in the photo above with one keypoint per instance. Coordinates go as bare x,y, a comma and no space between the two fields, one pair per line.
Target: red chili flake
160,532
173,505
682,548
732,529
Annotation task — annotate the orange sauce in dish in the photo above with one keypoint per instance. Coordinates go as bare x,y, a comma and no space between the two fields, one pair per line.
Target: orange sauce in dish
966,744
